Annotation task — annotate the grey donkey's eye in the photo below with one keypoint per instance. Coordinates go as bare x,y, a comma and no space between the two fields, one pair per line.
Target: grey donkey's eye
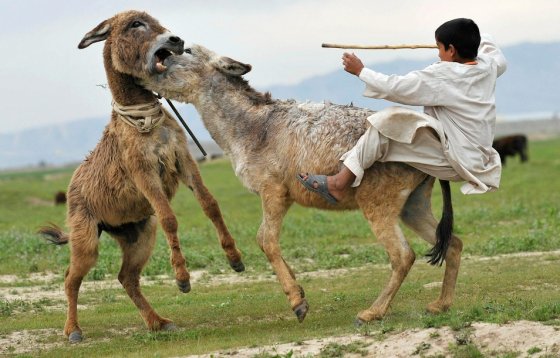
188,50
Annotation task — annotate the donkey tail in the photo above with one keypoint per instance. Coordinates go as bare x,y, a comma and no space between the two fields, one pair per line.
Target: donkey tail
54,234
444,229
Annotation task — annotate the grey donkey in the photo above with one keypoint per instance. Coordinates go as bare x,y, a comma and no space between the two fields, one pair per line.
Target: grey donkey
270,141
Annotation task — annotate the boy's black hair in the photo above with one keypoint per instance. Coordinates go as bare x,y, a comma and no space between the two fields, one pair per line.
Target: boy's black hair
463,34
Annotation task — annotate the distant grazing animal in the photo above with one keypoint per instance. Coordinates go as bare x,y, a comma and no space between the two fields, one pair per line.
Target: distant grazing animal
125,185
270,141
511,146
60,198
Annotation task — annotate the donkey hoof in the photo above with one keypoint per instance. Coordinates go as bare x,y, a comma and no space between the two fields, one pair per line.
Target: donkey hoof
358,322
237,266
184,286
75,337
169,327
301,310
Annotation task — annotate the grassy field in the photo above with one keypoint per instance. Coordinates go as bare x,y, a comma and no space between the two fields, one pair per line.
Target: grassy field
523,216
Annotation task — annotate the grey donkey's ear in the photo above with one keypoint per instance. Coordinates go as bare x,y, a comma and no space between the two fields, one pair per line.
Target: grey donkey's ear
231,67
99,33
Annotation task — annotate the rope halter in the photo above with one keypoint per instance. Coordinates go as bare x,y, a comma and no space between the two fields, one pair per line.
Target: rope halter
144,117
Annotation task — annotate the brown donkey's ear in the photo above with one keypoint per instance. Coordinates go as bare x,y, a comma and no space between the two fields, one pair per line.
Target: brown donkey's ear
231,67
99,33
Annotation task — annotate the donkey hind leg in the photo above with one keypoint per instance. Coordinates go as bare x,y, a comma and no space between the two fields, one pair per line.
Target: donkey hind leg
210,207
417,214
137,243
84,241
400,254
275,205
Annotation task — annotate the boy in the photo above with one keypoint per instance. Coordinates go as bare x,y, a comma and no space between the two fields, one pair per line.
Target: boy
452,139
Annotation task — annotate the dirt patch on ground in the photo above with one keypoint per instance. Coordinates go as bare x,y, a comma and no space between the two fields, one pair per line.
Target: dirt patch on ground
42,277
523,338
21,342
40,340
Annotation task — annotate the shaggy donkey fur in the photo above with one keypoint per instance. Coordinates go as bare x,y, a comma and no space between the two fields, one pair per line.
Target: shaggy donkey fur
270,141
125,185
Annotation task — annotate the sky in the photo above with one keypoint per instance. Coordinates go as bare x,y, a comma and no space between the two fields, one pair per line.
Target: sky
45,79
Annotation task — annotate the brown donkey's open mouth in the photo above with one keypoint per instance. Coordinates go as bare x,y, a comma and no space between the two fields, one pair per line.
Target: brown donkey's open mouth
161,55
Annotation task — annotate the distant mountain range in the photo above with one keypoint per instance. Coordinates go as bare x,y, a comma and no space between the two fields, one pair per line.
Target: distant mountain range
529,85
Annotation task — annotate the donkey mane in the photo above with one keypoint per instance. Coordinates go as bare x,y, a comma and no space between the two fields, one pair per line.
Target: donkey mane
257,98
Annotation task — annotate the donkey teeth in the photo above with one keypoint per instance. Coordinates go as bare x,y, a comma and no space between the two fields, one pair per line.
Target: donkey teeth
160,67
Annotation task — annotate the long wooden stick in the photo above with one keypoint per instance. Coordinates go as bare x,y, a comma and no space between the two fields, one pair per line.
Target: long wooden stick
379,47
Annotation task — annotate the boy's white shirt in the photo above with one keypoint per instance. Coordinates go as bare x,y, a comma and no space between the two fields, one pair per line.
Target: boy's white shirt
459,104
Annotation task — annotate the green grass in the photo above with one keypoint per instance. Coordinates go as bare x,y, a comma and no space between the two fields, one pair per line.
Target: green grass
522,216
254,314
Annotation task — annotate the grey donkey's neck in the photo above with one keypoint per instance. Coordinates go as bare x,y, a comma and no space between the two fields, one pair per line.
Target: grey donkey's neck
234,114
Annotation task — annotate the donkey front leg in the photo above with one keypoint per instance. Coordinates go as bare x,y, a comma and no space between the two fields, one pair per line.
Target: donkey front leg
275,205
152,190
209,205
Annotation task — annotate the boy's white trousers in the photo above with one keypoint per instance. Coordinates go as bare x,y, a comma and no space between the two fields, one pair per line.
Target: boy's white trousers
424,153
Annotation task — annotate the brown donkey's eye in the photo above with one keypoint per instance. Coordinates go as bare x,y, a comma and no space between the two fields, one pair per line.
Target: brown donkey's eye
136,24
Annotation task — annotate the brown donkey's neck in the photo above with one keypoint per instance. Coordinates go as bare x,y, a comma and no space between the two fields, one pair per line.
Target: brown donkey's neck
126,91
124,88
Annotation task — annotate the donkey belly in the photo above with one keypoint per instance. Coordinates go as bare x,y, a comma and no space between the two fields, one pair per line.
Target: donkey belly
131,205
112,197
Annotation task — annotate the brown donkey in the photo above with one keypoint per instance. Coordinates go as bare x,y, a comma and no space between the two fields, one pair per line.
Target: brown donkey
125,185
270,141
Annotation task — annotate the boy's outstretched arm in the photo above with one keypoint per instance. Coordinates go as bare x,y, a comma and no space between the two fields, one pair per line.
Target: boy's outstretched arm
489,48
